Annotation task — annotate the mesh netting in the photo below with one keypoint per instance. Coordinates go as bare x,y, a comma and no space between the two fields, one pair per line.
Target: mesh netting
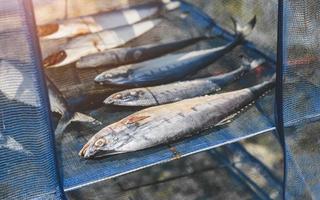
26,120
82,93
301,97
205,175
27,161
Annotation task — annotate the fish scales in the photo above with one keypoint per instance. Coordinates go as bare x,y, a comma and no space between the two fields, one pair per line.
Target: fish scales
177,91
92,43
165,123
171,67
123,56
94,23
183,120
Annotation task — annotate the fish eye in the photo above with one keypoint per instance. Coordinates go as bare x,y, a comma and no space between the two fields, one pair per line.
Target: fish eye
100,142
141,92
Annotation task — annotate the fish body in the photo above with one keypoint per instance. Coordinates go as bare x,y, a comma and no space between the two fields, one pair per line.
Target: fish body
123,56
95,23
171,67
172,92
165,123
96,42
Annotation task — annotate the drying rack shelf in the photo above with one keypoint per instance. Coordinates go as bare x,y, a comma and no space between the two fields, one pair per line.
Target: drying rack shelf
255,120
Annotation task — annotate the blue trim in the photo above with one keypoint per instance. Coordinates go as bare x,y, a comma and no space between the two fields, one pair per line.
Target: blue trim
279,89
251,158
239,175
37,59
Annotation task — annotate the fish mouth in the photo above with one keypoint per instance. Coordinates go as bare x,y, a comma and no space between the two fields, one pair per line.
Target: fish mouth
88,153
84,150
109,101
101,154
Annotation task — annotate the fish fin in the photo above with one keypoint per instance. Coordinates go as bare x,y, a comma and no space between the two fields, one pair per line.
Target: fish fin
64,121
80,117
134,119
231,117
243,30
227,120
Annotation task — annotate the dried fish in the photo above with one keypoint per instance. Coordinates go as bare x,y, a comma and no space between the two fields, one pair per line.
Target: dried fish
101,21
21,89
171,67
96,42
123,56
172,92
166,123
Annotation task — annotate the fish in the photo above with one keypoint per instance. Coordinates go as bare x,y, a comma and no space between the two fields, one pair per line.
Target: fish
59,105
21,89
122,56
94,23
171,67
166,123
177,91
84,45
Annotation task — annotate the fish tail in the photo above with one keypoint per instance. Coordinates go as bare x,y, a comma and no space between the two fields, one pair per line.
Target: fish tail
67,118
243,31
262,88
64,121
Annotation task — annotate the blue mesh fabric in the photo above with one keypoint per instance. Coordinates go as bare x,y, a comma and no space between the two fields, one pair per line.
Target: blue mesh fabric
77,85
25,115
300,92
27,161
81,92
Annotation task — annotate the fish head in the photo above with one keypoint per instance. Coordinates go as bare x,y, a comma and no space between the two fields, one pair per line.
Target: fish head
132,97
115,76
101,144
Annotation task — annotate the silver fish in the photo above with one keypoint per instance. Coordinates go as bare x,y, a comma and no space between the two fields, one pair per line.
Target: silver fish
21,89
101,21
166,123
171,67
177,91
96,42
123,56
95,23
